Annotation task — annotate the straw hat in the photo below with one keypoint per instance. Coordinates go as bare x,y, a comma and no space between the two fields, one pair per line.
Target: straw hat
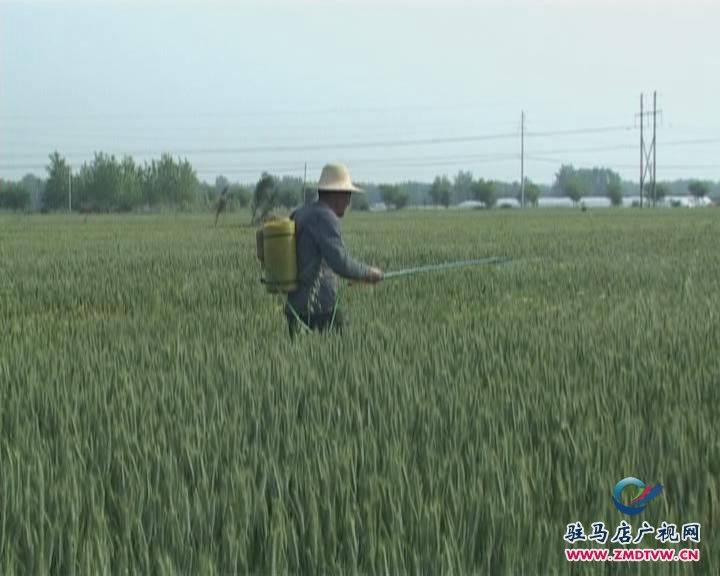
336,178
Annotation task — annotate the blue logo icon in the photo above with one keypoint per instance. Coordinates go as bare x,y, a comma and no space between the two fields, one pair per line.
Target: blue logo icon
637,504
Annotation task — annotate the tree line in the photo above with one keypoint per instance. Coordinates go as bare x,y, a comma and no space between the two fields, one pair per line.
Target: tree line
109,184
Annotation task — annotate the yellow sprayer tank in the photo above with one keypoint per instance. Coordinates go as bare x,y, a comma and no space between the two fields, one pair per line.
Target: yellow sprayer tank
279,256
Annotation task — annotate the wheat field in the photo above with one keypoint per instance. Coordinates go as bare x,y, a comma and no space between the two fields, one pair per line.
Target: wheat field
155,417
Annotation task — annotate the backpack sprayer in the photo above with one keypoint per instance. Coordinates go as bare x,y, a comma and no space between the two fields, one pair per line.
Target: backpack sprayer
276,250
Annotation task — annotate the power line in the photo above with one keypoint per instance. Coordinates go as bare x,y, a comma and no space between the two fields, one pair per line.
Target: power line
402,143
329,110
540,155
331,146
533,158
690,166
627,146
290,131
257,149
544,159
575,131
692,142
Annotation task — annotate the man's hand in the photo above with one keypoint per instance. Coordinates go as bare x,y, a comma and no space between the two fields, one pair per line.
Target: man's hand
374,275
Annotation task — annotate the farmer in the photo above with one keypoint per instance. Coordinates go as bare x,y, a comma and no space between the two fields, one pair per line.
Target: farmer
321,254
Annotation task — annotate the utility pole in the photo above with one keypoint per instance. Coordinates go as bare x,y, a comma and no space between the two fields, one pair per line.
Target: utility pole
654,146
645,155
642,147
305,198
69,188
522,159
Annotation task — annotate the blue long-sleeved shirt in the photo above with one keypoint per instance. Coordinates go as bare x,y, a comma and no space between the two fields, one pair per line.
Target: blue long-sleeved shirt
321,254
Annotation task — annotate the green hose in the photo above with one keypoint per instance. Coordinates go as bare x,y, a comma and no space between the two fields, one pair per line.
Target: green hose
444,266
304,325
337,299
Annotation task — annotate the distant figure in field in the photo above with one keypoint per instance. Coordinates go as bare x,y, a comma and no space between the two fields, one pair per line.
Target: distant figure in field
222,203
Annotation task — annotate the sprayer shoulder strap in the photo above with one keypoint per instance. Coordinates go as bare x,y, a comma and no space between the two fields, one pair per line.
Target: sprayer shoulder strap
297,223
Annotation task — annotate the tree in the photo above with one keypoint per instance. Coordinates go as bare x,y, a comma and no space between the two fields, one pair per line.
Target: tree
359,202
288,198
264,198
595,182
148,176
130,186
241,195
181,184
106,185
392,195
698,189
387,193
568,183
35,187
462,186
661,192
57,188
107,182
169,182
289,191
532,193
566,173
221,183
401,199
592,182
484,191
614,192
14,196
441,191
572,190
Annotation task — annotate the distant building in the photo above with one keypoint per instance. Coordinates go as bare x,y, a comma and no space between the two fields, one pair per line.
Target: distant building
469,204
686,201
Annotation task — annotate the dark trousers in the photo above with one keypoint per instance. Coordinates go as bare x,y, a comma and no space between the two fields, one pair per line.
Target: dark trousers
316,322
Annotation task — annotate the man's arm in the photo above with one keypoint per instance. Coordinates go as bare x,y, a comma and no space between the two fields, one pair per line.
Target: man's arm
332,248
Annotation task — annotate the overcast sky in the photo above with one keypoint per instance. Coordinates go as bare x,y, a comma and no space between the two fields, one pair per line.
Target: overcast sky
397,90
